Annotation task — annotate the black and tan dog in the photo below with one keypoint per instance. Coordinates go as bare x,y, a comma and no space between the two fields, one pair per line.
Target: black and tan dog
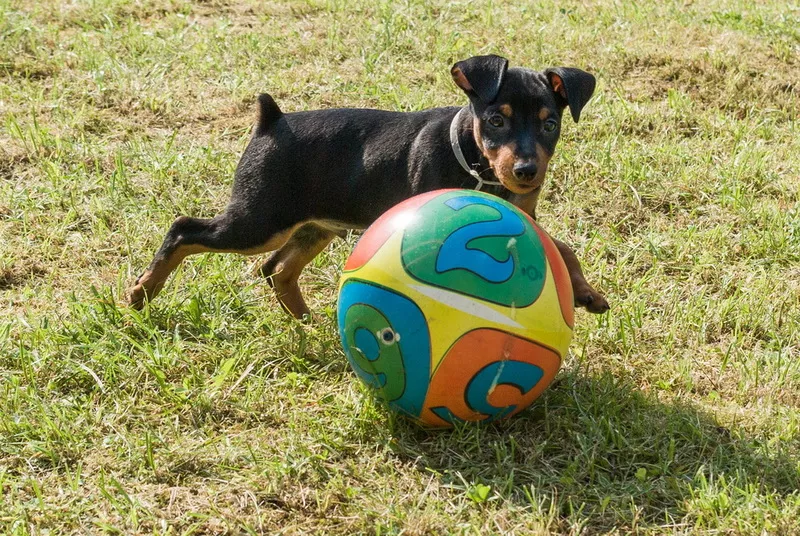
307,177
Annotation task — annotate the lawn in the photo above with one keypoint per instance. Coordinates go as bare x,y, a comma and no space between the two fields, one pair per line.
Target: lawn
212,412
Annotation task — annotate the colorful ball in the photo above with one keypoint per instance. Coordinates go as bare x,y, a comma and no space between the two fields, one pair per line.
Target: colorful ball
455,306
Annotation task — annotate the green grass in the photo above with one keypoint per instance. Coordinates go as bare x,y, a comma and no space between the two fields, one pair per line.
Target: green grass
212,412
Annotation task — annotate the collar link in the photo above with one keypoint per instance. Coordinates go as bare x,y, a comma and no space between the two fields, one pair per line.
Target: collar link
460,155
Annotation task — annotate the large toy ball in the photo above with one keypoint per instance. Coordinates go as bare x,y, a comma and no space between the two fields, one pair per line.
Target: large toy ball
455,306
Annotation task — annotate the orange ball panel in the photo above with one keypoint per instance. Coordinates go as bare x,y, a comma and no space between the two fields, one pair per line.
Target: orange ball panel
468,386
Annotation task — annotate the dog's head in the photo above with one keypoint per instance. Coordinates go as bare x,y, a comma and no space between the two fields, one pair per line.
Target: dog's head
517,114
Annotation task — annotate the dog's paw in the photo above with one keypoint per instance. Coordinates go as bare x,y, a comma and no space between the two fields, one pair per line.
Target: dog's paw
138,294
593,301
135,297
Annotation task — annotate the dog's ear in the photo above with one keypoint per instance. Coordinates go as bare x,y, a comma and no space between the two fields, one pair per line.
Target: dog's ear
480,76
572,87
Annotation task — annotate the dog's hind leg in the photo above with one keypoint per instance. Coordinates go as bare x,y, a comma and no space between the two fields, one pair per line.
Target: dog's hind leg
225,233
283,268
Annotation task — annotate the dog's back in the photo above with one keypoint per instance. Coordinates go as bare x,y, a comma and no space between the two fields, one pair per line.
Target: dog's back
345,164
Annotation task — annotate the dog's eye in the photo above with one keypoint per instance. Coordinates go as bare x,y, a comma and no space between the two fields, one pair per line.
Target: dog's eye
496,121
550,125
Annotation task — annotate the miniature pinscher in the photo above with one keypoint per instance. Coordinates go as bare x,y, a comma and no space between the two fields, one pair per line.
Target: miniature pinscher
307,177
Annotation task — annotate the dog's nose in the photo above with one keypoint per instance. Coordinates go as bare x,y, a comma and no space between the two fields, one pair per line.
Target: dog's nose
525,169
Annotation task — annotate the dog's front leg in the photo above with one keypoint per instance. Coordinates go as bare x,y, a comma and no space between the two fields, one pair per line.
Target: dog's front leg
585,295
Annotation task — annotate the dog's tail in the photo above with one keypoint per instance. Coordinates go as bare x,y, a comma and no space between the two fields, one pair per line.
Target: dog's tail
268,113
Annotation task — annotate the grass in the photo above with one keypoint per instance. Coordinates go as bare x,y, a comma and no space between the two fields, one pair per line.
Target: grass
210,412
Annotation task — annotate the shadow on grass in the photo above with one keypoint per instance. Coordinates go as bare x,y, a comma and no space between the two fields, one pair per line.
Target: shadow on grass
602,455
